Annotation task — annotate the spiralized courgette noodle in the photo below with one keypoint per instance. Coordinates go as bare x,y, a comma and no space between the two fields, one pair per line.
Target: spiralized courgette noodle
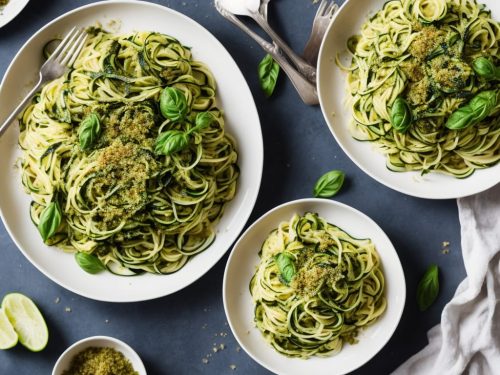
422,50
337,287
134,209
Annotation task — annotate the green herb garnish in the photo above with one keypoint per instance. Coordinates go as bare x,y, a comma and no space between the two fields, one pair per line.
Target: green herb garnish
329,184
89,131
401,116
474,112
89,263
50,219
428,288
171,141
285,266
268,74
485,69
173,104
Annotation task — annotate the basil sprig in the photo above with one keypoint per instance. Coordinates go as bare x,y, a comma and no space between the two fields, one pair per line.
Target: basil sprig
286,267
50,219
473,112
173,141
329,184
89,131
268,74
485,69
401,116
173,104
89,263
428,288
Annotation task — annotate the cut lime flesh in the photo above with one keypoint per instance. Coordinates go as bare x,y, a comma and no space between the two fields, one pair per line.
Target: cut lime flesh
27,321
8,337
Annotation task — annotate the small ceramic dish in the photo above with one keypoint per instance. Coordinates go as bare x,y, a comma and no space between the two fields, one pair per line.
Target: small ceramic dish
64,360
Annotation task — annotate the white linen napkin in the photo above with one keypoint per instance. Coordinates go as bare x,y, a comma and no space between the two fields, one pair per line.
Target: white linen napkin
468,339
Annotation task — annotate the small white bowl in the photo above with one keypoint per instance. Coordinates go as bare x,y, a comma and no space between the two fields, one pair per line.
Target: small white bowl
64,360
239,307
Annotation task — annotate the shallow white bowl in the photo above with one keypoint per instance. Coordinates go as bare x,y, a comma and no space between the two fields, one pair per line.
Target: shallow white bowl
64,360
242,120
332,95
241,267
11,10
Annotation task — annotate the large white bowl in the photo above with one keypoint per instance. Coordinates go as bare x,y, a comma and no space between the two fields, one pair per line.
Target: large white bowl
333,98
64,361
242,121
241,267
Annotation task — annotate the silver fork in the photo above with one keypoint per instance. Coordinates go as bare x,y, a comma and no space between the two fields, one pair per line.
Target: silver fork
61,59
322,19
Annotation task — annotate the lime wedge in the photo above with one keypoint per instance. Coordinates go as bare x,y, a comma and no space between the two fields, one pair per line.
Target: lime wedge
8,337
27,321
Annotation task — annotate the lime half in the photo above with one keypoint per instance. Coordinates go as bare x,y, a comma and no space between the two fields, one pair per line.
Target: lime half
8,337
27,321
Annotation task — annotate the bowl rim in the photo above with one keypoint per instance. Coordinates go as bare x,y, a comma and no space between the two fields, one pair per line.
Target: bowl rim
87,342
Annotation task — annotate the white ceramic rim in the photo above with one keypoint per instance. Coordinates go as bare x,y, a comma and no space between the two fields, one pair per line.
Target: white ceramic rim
11,10
327,365
237,211
430,186
97,341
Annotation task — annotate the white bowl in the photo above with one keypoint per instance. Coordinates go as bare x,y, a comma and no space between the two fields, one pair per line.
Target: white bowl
64,360
332,95
242,264
11,10
242,120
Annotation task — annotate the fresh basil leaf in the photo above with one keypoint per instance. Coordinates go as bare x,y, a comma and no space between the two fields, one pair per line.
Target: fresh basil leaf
173,104
89,131
485,69
170,142
268,74
286,267
203,120
329,184
401,116
50,219
473,112
89,263
428,288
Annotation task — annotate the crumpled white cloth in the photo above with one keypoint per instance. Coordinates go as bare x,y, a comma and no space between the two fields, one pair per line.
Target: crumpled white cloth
468,339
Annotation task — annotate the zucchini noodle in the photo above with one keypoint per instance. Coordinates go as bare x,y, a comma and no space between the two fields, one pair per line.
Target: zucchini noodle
136,210
335,288
422,51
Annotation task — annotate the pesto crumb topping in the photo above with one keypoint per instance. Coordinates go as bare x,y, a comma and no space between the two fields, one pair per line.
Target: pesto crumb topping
100,361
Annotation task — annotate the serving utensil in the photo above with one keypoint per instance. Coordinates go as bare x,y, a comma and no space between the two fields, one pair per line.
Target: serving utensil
62,58
305,88
250,8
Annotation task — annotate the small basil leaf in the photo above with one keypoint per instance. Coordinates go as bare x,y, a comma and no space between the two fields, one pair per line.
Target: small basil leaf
170,142
461,118
474,112
203,120
401,116
173,104
89,263
428,288
329,184
89,131
485,69
50,219
268,74
285,266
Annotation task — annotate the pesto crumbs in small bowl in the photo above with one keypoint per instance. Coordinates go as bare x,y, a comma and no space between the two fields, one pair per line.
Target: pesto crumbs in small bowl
100,361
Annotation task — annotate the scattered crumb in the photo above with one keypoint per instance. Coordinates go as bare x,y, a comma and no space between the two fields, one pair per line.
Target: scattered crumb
445,247
57,300
445,251
222,346
214,349
232,367
238,349
204,326
446,244
67,309
106,321
225,323
204,360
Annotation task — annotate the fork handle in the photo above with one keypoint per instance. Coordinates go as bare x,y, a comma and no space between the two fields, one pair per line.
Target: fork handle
305,89
311,50
303,66
9,120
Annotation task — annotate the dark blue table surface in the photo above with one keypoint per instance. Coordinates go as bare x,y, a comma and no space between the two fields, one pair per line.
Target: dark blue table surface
175,333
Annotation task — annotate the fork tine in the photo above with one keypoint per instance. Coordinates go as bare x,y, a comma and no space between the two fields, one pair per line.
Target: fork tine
62,45
332,8
68,49
75,50
321,8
